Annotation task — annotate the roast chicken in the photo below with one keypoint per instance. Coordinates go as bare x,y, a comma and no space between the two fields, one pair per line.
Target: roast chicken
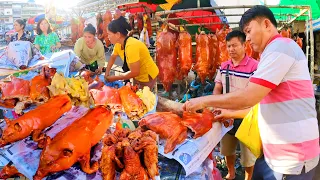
133,168
150,153
73,144
202,56
248,49
107,96
168,126
184,54
108,162
9,171
166,58
34,121
132,104
148,24
199,123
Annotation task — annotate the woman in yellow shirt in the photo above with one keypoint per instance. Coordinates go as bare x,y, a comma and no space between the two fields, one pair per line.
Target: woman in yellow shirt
90,50
133,52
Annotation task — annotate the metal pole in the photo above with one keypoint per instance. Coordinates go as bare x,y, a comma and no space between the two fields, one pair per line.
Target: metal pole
298,15
307,40
311,46
224,7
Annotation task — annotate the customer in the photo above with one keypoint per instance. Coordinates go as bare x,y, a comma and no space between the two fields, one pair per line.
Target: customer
21,35
46,41
90,50
287,117
240,67
138,63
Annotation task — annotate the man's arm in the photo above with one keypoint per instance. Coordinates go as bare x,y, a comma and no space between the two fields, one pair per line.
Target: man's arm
217,88
240,99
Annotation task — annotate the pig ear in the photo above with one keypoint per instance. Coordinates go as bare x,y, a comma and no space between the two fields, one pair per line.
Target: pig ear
7,120
17,127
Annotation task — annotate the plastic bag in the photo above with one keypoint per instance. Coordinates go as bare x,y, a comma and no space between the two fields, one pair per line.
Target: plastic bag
248,132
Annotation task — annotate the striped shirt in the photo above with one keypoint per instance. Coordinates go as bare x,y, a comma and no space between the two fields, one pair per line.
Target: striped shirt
238,75
287,116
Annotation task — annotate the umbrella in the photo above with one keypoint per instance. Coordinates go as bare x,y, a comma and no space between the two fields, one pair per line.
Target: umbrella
12,31
39,17
31,21
207,16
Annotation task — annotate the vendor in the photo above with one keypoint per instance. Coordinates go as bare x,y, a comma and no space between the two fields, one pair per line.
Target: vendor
90,50
134,53
21,35
46,41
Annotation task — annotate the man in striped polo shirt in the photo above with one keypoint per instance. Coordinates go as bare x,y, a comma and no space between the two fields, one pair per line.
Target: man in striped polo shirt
282,84
240,67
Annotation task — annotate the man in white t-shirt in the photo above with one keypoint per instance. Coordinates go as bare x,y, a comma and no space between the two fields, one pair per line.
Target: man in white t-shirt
282,85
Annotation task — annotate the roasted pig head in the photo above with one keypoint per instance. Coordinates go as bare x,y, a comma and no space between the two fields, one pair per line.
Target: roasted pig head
73,143
199,123
132,104
16,88
39,91
168,126
107,96
35,120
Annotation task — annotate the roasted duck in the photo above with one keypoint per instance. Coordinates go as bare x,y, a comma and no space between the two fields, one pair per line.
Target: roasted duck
99,27
107,18
81,26
184,54
213,46
248,49
34,121
74,30
140,22
199,123
299,41
166,58
64,149
202,56
148,24
133,168
107,96
286,33
223,52
150,154
132,104
168,126
16,88
9,171
108,162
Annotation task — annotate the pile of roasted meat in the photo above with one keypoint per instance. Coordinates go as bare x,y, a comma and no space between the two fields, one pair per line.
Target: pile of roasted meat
134,154
19,93
173,129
